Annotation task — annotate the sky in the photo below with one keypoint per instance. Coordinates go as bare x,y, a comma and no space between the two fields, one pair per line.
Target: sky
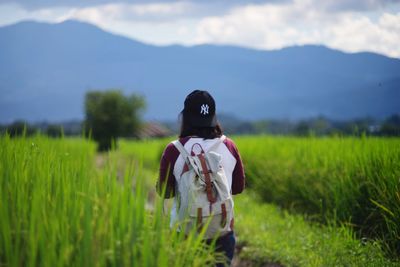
347,25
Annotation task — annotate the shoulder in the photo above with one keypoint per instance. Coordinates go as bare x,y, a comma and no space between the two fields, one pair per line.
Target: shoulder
170,148
230,144
171,151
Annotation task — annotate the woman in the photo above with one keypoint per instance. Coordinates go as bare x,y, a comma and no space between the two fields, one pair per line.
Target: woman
199,126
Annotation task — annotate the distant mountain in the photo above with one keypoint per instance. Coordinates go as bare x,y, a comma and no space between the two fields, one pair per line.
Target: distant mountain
45,70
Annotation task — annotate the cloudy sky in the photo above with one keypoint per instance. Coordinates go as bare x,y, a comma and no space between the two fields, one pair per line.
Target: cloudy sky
348,25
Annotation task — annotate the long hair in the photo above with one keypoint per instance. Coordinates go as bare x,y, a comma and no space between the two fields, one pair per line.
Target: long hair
204,132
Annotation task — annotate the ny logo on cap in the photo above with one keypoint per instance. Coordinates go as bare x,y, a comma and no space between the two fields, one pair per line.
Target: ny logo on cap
204,109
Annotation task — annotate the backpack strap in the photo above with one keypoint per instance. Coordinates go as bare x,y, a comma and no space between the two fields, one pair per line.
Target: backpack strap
219,141
182,150
211,198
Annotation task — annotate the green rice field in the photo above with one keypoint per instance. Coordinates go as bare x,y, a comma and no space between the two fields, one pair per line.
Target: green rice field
309,202
57,208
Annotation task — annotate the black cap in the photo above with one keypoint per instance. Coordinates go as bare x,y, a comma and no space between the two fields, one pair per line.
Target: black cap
199,109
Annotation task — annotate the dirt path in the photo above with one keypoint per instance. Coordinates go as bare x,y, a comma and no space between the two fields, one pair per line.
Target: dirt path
240,262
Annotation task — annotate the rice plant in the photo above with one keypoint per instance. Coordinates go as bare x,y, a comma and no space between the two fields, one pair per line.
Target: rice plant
268,233
58,209
350,180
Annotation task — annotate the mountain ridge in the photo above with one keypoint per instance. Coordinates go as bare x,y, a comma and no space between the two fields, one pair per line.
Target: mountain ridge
50,66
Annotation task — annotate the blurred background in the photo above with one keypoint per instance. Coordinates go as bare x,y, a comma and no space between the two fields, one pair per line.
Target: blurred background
278,67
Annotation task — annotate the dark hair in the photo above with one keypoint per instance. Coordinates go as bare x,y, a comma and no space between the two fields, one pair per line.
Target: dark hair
204,132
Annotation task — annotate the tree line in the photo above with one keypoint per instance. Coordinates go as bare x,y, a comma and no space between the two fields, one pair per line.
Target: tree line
318,126
110,114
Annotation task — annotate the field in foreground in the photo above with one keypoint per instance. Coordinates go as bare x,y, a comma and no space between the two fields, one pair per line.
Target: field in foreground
355,181
63,205
58,209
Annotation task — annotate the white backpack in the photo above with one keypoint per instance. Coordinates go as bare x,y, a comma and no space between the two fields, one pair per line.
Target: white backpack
203,193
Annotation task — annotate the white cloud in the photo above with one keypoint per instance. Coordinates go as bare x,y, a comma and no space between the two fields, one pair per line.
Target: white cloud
352,5
42,4
361,33
154,12
262,26
160,24
12,13
275,26
341,24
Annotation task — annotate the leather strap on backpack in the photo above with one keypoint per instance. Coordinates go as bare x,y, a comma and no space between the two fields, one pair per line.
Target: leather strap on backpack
211,198
223,219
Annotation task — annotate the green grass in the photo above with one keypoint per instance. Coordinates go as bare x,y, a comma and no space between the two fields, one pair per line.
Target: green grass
61,204
272,234
58,209
267,233
350,180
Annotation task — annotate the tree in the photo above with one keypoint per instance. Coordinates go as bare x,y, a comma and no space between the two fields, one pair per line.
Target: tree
110,114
